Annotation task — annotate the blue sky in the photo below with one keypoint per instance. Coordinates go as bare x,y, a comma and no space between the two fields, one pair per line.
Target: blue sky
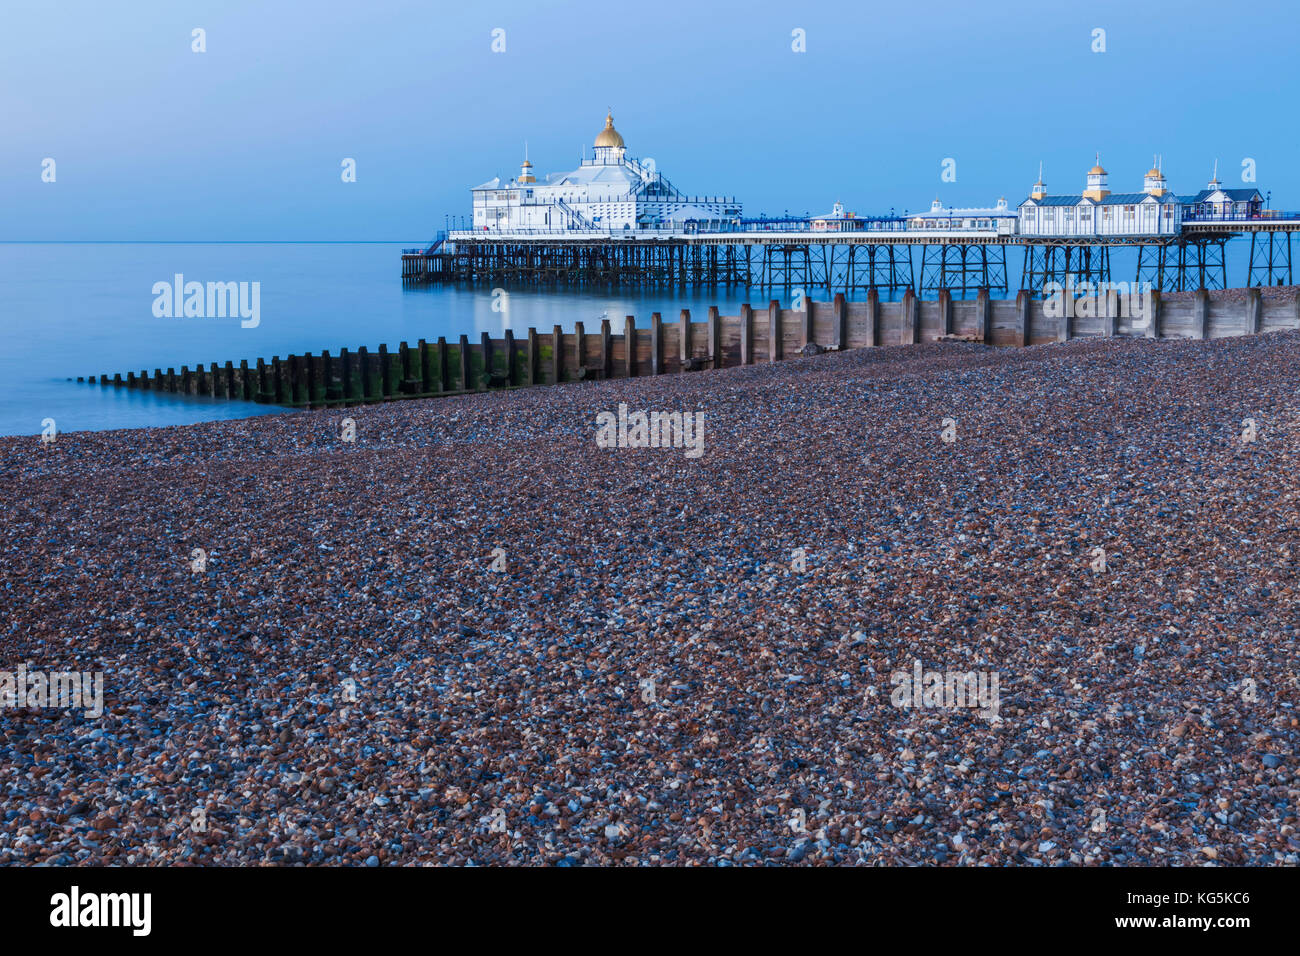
245,141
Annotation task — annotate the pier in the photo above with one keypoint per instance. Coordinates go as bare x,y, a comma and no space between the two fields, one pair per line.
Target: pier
887,256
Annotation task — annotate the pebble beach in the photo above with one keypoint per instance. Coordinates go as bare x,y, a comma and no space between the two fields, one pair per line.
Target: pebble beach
472,636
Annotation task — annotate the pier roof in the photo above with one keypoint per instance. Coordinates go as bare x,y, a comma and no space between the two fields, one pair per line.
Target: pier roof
1114,199
595,173
1236,195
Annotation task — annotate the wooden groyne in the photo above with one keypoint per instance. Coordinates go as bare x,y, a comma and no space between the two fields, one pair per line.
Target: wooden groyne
440,368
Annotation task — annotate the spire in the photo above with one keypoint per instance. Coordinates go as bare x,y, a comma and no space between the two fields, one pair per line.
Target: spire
1040,190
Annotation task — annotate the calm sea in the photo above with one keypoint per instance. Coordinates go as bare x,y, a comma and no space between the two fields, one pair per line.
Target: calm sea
83,309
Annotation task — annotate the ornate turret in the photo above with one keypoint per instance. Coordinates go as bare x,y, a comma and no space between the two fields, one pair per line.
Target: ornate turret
1096,189
609,144
1154,182
1040,188
526,169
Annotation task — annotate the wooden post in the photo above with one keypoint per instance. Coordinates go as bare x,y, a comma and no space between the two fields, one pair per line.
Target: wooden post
873,316
656,343
945,311
629,345
444,365
774,336
1067,320
404,356
230,379
1153,313
984,315
345,373
363,367
1252,311
557,354
130,379
746,335
171,378
606,344
1022,317
684,344
261,390
277,379
715,337
385,372
510,357
839,322
426,368
534,357
308,379
485,346
245,383
1201,313
465,384
911,319
579,347
809,329
328,392
214,374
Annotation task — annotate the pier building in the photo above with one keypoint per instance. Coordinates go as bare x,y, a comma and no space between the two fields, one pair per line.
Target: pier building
999,218
1096,211
611,192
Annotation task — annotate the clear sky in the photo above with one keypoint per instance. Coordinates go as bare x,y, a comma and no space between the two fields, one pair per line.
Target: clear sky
244,141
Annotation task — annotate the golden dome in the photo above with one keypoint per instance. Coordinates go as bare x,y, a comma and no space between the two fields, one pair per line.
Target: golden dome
609,136
1097,171
1153,173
